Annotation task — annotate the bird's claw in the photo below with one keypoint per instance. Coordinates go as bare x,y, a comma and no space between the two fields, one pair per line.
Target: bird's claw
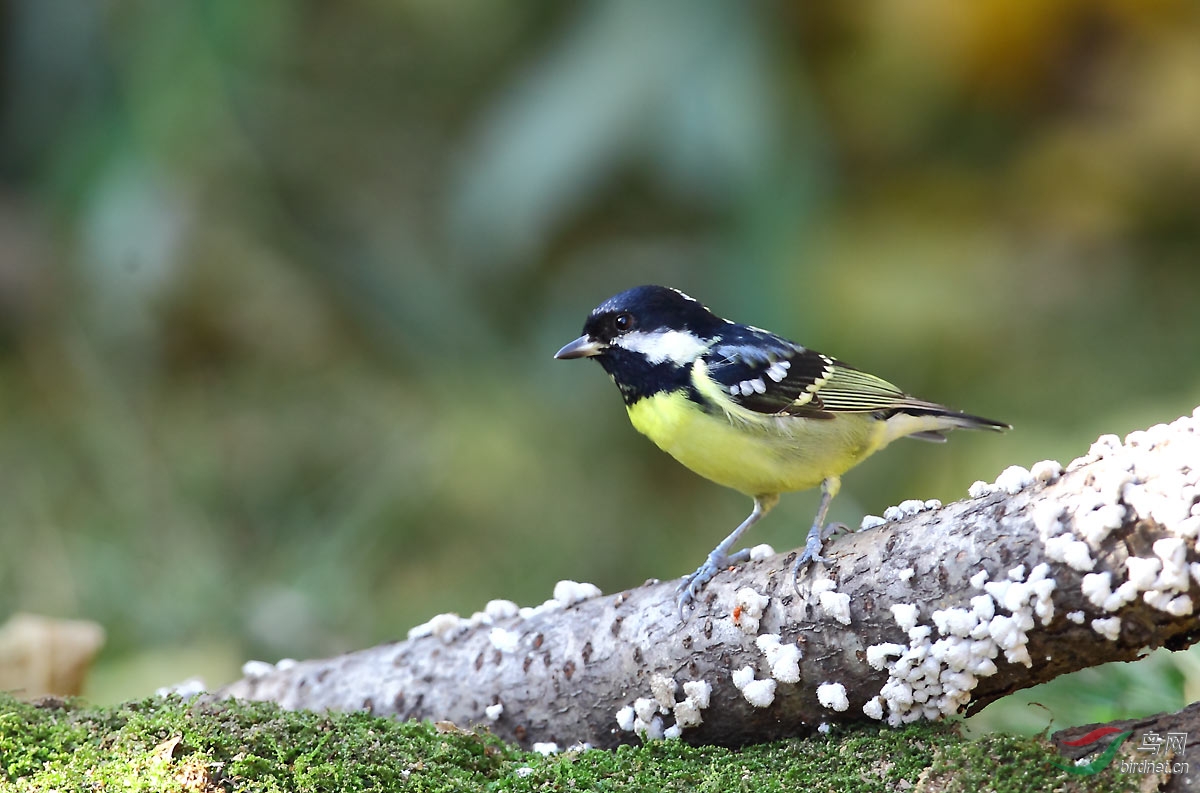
833,529
811,553
685,593
689,588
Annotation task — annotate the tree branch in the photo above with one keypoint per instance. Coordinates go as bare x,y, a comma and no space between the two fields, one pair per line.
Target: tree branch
935,612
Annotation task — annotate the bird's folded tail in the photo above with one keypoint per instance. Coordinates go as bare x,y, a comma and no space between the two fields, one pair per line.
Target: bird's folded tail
928,421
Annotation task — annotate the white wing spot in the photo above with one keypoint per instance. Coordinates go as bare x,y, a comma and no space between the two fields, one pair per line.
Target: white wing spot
748,387
825,375
778,370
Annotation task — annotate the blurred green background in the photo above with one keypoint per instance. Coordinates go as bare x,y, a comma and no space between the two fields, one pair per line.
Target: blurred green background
280,283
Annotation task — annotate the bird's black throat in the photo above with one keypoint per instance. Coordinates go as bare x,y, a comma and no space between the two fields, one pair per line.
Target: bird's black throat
637,378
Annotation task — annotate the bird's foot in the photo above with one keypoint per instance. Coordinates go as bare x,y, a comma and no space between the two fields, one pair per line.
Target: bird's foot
689,588
834,529
811,553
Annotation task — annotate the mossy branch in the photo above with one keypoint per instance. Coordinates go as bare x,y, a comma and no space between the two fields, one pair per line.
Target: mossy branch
932,613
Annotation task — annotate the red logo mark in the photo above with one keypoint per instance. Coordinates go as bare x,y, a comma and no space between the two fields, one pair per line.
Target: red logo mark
1092,736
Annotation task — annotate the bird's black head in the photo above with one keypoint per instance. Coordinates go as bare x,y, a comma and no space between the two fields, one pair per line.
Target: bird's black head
644,310
646,338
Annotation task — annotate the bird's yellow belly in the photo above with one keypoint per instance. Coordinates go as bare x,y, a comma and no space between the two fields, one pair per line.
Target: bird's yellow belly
757,455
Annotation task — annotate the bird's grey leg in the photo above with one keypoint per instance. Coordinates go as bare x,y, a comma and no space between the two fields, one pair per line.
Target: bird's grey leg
812,546
720,558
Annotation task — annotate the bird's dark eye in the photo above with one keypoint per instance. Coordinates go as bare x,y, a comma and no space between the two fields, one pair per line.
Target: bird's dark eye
623,322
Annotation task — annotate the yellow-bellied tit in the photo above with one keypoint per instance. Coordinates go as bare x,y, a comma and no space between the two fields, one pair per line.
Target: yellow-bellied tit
748,409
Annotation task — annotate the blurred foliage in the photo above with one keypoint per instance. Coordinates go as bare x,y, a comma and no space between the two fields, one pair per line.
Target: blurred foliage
280,283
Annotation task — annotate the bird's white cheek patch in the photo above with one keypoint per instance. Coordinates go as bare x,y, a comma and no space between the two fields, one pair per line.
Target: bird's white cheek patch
677,346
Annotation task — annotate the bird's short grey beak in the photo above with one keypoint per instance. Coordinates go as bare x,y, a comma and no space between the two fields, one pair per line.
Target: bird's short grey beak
583,347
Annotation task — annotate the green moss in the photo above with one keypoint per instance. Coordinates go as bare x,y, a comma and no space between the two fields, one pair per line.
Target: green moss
1012,764
160,744
244,746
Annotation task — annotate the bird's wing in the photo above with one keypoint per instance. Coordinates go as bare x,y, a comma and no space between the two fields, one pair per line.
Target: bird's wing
767,374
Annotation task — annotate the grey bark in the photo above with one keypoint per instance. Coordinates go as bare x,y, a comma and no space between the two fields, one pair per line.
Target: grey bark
571,670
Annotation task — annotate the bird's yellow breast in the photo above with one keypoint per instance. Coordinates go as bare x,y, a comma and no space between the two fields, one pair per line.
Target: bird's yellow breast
753,453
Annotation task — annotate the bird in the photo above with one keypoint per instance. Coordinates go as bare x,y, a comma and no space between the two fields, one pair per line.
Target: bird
748,409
